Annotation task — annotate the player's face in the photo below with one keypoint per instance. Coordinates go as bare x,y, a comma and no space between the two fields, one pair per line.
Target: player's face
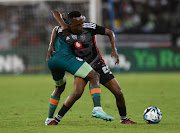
76,25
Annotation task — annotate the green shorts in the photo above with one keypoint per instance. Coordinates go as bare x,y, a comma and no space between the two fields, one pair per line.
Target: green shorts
65,61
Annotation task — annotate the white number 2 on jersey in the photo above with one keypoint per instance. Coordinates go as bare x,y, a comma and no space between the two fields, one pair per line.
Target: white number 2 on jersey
106,69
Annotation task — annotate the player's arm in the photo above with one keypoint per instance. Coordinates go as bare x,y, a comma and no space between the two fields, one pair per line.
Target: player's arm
104,31
59,18
51,44
112,38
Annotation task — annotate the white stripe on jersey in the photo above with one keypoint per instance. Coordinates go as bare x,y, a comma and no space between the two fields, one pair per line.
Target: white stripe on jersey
89,25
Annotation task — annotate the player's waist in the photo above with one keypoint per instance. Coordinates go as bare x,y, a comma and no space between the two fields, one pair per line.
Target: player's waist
94,62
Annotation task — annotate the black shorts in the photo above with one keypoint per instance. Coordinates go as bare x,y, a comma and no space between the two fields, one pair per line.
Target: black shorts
105,73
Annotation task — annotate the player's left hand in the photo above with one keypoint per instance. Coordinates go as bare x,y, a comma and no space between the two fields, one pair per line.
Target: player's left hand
115,54
50,49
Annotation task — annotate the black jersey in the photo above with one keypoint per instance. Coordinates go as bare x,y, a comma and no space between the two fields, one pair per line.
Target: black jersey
84,45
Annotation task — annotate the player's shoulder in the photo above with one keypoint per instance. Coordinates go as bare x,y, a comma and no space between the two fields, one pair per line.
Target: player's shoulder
89,25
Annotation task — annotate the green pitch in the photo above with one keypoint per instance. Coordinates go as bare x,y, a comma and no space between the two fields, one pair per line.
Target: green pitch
24,102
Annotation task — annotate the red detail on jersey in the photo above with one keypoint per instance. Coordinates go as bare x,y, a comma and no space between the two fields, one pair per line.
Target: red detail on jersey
81,49
101,59
78,44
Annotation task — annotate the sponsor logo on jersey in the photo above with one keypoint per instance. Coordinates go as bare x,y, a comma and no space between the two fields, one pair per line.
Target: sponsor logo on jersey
74,37
78,44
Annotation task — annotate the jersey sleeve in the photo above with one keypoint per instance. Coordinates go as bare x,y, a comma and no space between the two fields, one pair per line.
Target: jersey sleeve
94,28
100,30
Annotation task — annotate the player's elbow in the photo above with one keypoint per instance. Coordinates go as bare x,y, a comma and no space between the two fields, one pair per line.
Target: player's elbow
109,33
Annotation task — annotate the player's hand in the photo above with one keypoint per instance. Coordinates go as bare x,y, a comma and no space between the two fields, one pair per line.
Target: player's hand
115,54
50,49
59,18
55,13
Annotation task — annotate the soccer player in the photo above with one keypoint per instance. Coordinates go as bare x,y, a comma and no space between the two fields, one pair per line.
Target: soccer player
81,39
62,60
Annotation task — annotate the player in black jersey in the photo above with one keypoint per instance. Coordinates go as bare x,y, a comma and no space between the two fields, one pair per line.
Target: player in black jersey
81,38
61,60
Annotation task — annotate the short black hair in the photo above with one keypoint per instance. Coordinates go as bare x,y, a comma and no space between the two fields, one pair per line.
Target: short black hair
73,14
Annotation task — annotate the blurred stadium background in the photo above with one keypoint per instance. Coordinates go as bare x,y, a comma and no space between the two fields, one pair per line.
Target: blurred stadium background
147,33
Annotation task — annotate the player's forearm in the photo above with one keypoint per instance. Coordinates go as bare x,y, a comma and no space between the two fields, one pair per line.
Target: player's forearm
113,43
111,36
59,18
53,37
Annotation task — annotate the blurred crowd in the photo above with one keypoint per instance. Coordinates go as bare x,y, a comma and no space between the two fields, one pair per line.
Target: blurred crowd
22,25
142,16
31,24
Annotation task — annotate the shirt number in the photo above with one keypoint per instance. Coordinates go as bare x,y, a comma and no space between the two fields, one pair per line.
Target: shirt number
105,69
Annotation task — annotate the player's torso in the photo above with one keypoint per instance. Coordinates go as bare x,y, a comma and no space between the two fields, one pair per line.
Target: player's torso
83,45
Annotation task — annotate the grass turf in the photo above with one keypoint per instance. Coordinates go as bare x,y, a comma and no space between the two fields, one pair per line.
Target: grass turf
24,102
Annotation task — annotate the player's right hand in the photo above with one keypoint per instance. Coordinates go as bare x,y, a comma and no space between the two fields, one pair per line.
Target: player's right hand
50,49
115,54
